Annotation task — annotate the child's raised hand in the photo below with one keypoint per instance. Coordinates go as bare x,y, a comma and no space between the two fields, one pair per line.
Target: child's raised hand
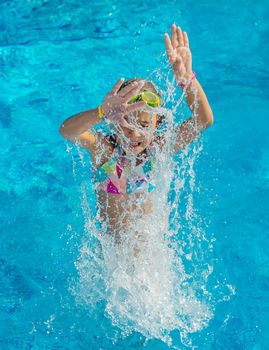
179,54
115,105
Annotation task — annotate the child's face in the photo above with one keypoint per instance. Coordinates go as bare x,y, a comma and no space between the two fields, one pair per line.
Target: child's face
140,134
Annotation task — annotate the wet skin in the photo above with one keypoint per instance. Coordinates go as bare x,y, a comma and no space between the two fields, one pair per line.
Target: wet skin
117,210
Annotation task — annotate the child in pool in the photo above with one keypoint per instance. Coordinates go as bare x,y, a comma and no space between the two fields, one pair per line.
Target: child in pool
128,106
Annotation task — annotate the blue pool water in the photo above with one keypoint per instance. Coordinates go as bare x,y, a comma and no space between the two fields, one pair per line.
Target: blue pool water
61,57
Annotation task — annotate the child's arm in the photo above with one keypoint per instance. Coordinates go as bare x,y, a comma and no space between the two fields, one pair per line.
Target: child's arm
114,107
202,119
180,58
76,127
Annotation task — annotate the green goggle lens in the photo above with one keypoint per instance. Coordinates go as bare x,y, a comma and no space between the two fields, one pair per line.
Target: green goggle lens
149,97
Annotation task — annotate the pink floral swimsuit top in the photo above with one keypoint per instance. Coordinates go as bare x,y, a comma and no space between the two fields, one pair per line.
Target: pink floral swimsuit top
118,176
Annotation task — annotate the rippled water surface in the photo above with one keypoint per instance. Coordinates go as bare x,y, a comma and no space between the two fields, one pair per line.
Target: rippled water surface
61,57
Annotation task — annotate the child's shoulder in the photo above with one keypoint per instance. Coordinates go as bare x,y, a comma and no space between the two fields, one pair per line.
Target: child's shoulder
104,148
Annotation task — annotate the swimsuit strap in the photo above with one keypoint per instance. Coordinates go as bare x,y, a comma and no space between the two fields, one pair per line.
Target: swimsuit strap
114,178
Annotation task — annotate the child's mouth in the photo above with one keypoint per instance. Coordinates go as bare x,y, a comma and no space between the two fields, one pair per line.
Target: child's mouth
136,144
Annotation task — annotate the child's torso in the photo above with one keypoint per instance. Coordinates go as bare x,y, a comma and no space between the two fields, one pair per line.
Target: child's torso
120,176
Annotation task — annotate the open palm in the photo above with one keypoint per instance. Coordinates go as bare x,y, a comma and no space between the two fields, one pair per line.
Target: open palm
179,54
116,103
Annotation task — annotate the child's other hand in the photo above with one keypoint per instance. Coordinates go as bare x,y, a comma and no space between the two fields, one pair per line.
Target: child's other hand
179,54
115,105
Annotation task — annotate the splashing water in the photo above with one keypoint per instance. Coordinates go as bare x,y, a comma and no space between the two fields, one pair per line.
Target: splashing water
155,280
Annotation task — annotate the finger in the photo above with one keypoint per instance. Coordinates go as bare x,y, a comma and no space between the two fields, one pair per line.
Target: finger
174,36
180,37
168,44
116,87
134,106
133,92
128,88
186,39
122,122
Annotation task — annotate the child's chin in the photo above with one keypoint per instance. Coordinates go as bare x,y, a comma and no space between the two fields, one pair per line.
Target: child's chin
138,151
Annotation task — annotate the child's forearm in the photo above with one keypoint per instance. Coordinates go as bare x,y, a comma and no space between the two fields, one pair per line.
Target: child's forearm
79,123
204,112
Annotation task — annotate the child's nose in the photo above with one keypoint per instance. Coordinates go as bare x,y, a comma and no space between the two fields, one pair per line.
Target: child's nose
136,133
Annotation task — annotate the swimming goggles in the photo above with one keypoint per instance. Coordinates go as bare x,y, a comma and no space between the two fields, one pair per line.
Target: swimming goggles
149,97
